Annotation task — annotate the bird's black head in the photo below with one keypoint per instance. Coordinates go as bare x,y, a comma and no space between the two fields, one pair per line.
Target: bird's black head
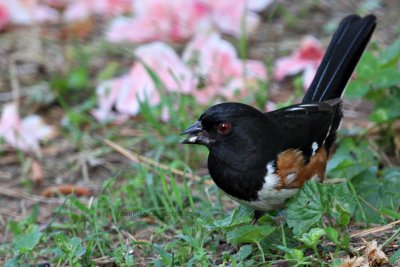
228,128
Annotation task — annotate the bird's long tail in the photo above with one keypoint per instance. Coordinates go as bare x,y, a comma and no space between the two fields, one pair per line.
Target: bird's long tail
341,57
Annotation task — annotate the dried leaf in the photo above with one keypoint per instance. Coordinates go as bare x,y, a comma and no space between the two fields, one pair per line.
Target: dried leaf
79,29
376,256
373,256
354,262
66,189
37,174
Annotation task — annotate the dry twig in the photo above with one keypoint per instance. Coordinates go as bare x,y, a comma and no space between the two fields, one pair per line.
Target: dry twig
148,163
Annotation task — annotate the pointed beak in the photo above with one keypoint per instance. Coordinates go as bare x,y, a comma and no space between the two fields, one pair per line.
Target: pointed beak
196,135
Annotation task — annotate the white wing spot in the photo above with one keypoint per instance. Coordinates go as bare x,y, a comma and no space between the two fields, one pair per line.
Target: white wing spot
295,109
290,178
270,168
309,105
193,139
314,148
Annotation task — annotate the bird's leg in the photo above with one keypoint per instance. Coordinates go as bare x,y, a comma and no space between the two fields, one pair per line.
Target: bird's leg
257,215
280,217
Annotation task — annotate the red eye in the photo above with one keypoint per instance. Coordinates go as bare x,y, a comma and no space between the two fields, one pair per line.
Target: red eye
224,127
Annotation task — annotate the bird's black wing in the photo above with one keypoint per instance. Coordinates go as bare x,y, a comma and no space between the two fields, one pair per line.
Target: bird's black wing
308,127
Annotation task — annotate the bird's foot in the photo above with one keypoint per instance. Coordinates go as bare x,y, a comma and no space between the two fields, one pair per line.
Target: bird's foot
257,215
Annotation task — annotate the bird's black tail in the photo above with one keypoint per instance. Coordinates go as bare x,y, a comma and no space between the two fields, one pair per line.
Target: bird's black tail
341,57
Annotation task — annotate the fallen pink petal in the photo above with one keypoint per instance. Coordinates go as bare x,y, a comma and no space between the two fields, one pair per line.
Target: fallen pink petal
24,134
125,94
230,17
307,59
83,9
270,106
22,12
171,70
160,20
4,16
137,87
216,63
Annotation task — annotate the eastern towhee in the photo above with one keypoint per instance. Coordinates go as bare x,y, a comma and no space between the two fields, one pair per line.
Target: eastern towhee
262,159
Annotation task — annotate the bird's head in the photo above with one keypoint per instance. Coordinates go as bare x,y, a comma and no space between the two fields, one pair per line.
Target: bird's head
228,126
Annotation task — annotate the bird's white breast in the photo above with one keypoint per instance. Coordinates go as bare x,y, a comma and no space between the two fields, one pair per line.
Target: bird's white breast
270,198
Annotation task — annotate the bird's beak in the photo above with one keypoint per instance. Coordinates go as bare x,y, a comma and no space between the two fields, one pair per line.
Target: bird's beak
196,135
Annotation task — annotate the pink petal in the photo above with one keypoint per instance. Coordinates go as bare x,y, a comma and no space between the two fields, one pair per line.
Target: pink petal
111,7
161,20
77,11
138,88
233,24
255,68
211,55
165,116
270,106
310,49
288,66
107,93
4,16
33,125
174,74
10,118
233,86
216,63
308,76
23,134
309,55
126,93
258,5
82,9
205,95
44,13
230,16
29,12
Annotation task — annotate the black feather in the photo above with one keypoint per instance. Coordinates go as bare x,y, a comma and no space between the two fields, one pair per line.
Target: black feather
340,59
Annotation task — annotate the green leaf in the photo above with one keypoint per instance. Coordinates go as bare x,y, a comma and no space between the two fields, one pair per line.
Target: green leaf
82,207
391,54
351,158
249,233
395,257
380,189
166,257
332,234
243,253
387,77
78,78
379,115
357,89
11,262
387,108
314,200
75,247
107,72
292,253
392,213
306,209
24,243
336,263
311,239
239,216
